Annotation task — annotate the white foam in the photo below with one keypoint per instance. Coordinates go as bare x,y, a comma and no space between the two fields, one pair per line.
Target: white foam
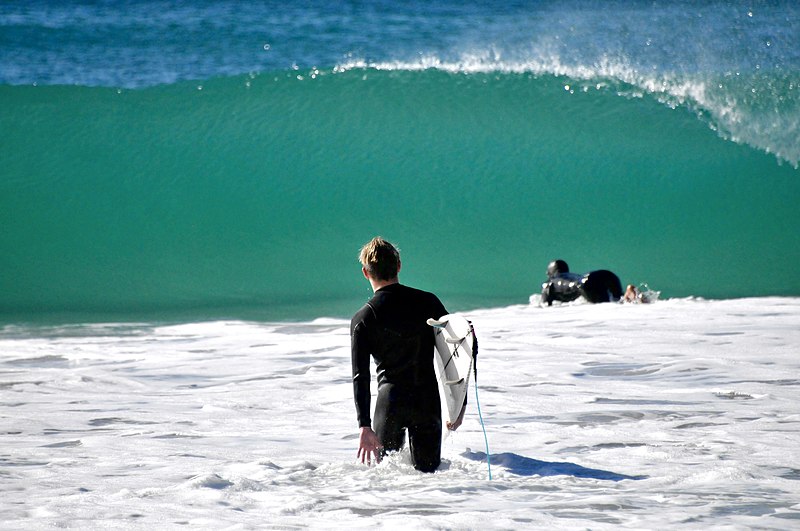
603,416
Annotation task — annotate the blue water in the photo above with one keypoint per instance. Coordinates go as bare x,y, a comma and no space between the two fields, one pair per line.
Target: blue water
167,160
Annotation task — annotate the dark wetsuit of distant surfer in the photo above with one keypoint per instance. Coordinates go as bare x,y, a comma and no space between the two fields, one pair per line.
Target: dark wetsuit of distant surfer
392,328
564,286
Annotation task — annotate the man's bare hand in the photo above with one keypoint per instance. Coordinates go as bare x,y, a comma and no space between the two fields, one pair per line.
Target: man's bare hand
453,426
369,446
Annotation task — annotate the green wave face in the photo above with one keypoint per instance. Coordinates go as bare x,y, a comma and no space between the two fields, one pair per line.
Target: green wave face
250,196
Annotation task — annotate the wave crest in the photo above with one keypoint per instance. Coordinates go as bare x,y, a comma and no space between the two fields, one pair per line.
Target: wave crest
761,110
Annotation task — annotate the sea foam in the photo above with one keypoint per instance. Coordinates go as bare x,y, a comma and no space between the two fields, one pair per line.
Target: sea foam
681,412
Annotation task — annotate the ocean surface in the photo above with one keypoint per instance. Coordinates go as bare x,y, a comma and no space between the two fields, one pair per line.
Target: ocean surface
178,161
184,188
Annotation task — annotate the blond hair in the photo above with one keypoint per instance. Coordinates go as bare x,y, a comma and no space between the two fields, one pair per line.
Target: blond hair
380,258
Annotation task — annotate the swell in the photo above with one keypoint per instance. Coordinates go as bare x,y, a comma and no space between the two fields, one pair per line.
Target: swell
249,196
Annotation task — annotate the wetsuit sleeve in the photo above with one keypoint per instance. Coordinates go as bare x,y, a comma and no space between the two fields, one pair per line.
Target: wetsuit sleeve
439,310
360,355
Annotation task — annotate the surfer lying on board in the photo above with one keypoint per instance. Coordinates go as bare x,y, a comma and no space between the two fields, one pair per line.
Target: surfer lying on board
392,328
564,286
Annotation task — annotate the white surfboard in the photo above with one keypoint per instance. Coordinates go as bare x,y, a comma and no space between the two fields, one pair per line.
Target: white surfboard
453,360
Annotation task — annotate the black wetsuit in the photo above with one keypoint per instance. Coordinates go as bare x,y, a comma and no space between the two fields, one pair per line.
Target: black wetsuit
392,328
563,287
595,286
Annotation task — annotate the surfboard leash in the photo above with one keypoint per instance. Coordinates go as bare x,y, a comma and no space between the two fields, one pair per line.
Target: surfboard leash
477,401
485,439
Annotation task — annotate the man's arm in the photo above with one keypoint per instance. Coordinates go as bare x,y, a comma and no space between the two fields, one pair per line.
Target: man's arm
360,354
369,445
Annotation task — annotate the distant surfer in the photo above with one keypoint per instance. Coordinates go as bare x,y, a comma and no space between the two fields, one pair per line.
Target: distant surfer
565,286
392,328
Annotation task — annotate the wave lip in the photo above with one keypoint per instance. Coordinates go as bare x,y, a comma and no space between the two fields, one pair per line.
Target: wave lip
761,110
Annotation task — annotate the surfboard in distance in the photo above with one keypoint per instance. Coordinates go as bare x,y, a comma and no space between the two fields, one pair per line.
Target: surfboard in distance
453,360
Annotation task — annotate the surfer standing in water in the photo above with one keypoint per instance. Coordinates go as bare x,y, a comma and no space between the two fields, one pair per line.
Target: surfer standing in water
392,328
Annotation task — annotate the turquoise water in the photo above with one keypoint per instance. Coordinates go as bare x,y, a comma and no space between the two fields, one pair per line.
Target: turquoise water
249,195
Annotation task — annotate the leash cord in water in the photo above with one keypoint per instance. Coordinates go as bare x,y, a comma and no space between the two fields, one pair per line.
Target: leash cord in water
485,439
477,401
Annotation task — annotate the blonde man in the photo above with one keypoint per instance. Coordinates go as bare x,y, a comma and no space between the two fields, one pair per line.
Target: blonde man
392,328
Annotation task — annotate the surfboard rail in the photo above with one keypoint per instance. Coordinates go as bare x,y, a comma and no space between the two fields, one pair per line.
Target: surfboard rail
453,361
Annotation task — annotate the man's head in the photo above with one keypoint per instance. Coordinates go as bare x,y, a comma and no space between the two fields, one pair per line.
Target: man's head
557,267
380,259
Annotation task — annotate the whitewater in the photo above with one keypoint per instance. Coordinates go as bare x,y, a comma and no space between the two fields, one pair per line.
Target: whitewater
677,414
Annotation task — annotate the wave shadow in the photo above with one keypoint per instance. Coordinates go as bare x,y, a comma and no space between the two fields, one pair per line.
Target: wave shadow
525,466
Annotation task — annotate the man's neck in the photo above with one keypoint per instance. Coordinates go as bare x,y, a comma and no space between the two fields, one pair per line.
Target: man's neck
378,284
